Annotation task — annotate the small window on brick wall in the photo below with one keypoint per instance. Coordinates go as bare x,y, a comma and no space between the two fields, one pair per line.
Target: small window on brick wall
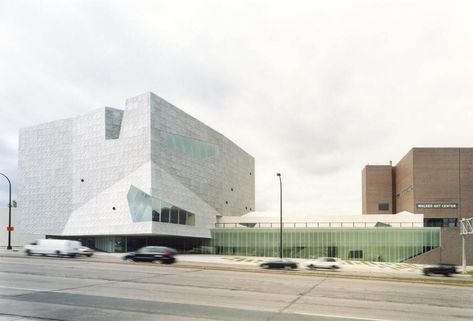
383,206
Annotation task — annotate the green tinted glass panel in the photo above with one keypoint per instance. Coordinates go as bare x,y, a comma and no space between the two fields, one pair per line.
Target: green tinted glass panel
144,208
192,147
368,244
140,205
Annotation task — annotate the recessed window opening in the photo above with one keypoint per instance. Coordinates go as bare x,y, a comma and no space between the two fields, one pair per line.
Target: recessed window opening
440,222
383,206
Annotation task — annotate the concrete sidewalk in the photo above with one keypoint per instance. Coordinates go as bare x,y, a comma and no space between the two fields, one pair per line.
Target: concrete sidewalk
346,266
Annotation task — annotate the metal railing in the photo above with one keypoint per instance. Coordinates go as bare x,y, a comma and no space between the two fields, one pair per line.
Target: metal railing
321,225
466,226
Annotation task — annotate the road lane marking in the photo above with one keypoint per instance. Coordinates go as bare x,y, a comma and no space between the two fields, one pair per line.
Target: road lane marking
25,289
340,316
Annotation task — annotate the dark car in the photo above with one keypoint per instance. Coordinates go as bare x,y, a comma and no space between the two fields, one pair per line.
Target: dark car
443,268
158,254
279,264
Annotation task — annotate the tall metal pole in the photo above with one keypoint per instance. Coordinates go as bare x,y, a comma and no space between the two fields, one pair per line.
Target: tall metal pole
280,216
466,228
9,211
463,254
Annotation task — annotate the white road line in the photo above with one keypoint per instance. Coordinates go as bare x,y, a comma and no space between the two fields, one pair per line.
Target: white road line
26,289
340,316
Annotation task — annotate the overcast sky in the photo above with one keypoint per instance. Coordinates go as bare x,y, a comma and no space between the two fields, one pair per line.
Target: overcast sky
312,89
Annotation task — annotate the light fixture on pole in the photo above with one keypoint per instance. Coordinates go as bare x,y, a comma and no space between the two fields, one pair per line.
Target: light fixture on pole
280,216
9,228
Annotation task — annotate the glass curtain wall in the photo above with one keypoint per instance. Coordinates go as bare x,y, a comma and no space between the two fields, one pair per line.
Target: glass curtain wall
364,244
144,208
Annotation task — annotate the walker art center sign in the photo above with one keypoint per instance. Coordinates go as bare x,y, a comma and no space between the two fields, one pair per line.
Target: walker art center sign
437,205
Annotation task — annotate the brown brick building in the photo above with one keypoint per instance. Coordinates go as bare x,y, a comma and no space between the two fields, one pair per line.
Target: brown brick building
436,182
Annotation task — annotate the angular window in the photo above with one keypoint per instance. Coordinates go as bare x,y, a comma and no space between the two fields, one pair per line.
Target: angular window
144,208
174,215
113,122
165,212
155,216
190,220
140,205
182,216
192,147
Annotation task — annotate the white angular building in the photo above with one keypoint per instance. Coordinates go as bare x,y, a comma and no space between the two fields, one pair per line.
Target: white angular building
120,179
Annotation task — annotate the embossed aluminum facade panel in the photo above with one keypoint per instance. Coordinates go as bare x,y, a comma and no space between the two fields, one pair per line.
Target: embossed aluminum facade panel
75,174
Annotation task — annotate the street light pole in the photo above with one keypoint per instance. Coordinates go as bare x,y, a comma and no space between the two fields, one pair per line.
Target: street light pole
9,211
280,216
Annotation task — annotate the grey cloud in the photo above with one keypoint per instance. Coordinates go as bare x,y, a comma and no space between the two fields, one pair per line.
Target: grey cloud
315,90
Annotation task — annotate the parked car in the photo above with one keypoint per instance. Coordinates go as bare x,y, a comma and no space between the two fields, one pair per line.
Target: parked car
331,263
159,254
53,247
279,264
86,251
442,268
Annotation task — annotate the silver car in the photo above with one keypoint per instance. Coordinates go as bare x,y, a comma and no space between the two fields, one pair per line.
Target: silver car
331,263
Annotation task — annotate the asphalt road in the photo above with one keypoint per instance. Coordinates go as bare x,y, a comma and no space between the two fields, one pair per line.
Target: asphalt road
65,289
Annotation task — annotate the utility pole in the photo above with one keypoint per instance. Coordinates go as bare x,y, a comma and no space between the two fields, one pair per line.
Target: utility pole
280,216
9,228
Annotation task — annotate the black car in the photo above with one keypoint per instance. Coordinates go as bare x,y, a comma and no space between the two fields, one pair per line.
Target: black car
279,264
443,268
159,254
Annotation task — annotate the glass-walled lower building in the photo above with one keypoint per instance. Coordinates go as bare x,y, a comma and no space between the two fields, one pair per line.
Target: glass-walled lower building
128,243
385,244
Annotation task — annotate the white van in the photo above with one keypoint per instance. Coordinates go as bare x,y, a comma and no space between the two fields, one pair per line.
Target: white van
54,247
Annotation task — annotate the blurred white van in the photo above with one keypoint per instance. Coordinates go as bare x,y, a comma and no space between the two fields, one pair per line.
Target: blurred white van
54,247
